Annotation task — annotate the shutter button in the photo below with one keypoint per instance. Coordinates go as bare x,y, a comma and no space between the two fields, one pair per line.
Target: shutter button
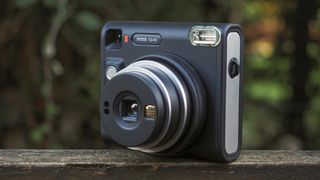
233,68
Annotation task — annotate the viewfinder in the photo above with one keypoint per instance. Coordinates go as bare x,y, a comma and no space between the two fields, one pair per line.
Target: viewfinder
113,39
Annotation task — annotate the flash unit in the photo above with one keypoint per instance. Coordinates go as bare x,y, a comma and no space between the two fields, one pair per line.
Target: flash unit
208,36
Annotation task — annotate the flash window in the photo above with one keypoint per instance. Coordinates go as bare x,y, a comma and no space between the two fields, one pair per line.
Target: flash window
207,36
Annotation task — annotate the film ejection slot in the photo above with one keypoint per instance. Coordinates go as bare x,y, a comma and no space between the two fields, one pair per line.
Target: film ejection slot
207,36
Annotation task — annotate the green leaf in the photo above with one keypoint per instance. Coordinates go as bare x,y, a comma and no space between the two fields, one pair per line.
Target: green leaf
313,50
39,132
53,110
268,91
57,68
24,3
88,20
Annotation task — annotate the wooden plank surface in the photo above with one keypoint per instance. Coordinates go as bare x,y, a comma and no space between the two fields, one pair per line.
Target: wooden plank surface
125,164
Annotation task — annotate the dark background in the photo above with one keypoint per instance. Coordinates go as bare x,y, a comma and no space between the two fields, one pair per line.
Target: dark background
49,63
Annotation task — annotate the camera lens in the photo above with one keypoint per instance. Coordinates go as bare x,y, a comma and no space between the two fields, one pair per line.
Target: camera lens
129,110
132,111
159,108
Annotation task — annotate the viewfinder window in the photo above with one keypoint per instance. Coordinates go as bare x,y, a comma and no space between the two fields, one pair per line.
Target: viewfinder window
113,39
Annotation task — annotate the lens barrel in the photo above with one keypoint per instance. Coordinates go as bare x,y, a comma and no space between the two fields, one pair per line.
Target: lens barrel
158,105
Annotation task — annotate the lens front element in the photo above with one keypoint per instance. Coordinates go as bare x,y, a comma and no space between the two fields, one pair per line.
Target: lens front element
129,110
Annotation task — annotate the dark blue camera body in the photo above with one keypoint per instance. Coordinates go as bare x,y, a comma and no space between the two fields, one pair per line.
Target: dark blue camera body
171,89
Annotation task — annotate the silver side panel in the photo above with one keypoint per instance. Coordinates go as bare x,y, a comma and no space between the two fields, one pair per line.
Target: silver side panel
232,96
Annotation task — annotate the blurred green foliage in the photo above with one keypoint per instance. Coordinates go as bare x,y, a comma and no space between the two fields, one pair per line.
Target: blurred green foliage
49,63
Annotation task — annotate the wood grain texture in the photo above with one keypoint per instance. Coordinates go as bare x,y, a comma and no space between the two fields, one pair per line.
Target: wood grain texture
125,164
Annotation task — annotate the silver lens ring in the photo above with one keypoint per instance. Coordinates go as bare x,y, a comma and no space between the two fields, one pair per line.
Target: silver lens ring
182,123
154,77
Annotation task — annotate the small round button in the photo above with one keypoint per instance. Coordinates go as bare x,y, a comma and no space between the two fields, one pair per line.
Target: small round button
233,68
111,71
